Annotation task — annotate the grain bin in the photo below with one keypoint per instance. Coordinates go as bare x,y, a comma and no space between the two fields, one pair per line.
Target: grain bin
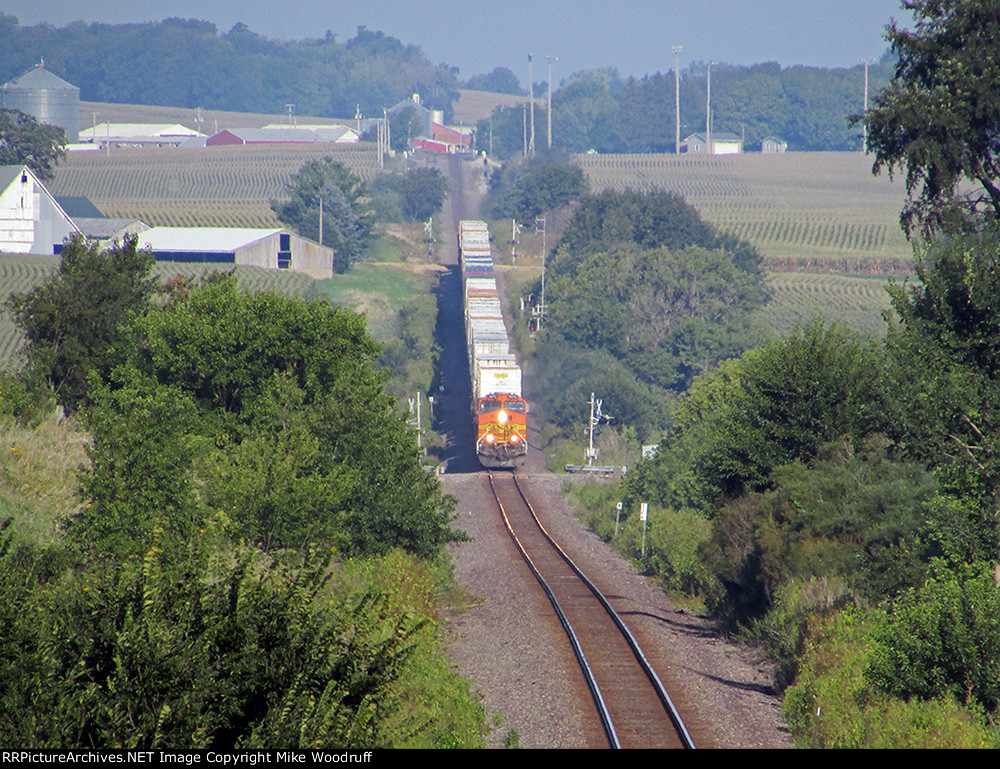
46,97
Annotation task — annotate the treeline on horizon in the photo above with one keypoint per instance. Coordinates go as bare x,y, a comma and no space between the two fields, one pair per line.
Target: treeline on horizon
188,63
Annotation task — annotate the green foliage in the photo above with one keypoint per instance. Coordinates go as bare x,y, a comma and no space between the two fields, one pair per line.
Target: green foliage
818,385
940,115
264,409
347,218
527,189
667,315
565,376
655,219
415,195
497,80
832,705
943,639
196,652
75,321
189,63
25,141
141,458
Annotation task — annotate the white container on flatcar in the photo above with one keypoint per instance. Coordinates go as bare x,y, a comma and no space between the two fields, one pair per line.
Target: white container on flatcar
497,374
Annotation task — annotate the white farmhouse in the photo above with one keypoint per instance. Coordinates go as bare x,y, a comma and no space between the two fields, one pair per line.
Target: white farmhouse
31,221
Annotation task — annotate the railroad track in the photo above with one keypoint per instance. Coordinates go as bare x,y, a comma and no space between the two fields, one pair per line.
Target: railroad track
632,704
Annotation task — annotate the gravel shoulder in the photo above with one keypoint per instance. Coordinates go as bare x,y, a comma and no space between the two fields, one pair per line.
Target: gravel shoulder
513,650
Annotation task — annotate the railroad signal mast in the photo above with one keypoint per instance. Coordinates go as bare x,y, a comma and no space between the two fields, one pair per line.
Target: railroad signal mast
597,417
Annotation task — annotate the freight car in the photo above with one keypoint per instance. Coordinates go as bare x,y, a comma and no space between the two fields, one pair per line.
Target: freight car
500,413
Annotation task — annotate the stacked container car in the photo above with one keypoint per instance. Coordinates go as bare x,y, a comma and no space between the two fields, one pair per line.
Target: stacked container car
500,412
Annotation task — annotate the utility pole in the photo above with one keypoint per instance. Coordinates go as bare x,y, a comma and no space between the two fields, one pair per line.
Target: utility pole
708,111
677,99
864,111
549,60
540,229
531,102
524,129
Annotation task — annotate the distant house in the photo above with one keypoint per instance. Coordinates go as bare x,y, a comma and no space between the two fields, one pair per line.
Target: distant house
722,144
31,220
772,145
267,248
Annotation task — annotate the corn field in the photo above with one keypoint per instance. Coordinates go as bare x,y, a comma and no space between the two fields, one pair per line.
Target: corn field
201,187
803,207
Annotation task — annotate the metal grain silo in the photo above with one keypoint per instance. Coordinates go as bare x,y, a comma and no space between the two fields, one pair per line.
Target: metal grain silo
48,98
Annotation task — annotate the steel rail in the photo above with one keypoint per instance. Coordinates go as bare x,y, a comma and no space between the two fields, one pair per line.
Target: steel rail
654,679
602,709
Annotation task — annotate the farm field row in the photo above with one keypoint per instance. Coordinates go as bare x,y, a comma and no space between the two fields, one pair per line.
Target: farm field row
221,186
799,297
796,207
20,273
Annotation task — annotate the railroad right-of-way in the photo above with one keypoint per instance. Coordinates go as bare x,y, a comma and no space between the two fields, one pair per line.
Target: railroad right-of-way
509,641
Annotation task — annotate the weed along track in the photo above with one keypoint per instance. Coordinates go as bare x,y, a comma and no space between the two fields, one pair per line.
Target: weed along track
631,703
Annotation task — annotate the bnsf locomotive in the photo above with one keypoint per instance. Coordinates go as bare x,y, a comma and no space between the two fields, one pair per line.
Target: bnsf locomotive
501,414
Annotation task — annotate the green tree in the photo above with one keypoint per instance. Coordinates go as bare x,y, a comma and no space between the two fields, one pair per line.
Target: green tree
776,404
498,80
347,217
75,320
267,410
415,195
939,118
668,315
610,219
528,189
23,140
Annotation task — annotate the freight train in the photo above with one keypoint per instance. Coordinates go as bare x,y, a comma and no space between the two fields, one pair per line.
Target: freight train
500,413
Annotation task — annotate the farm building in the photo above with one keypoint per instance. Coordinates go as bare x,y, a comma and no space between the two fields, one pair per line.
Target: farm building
772,145
722,144
138,135
335,134
105,232
46,97
31,220
268,248
331,134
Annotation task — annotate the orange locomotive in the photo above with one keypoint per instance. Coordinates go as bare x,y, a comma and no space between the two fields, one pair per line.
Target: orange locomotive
500,412
502,425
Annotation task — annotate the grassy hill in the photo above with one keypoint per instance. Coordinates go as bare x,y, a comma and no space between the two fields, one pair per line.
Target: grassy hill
821,211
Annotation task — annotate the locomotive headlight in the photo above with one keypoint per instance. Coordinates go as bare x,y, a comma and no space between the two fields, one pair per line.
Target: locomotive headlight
514,438
502,417
490,438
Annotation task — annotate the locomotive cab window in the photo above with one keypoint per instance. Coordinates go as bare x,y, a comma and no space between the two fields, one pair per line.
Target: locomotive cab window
515,406
485,407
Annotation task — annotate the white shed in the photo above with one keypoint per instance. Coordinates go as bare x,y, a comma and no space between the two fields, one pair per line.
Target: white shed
268,248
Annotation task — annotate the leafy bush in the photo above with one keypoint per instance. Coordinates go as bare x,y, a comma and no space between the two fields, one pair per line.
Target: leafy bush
943,640
832,704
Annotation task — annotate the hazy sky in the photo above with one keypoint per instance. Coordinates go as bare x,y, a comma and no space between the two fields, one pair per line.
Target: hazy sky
635,36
